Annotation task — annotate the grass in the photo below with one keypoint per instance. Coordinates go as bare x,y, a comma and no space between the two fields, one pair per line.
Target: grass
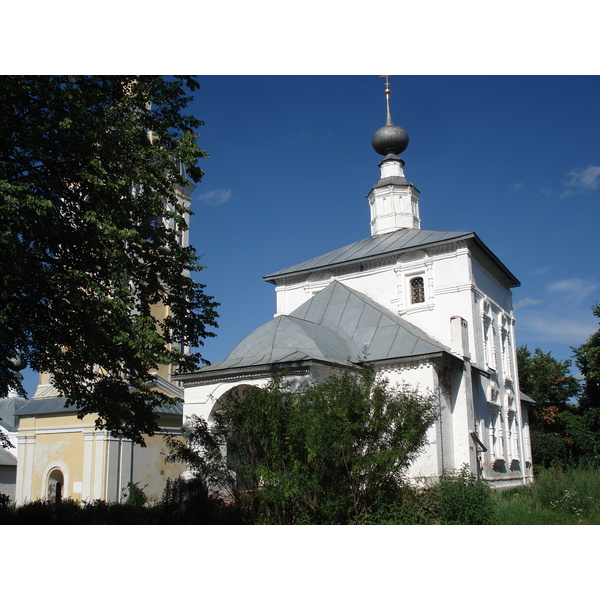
557,497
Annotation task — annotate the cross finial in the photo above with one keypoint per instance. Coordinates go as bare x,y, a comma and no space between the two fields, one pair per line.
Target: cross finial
387,83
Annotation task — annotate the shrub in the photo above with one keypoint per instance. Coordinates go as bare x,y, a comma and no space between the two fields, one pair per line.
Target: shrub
135,495
329,453
459,498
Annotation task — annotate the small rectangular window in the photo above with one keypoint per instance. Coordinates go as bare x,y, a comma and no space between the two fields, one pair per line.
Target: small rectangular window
417,290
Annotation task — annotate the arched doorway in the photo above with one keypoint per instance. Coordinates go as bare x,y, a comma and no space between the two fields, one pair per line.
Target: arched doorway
228,449
56,482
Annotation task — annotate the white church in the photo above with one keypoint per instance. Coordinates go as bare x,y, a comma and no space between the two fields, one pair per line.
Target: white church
432,309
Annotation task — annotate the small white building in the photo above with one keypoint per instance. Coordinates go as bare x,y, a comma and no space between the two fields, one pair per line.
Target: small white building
431,309
8,452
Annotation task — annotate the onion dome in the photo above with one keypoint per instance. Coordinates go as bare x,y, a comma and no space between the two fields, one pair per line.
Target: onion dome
389,139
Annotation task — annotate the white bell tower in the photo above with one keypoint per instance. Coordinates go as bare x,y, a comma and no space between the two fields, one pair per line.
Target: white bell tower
394,201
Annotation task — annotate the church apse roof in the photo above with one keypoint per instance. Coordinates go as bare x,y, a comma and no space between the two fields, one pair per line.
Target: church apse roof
337,325
384,244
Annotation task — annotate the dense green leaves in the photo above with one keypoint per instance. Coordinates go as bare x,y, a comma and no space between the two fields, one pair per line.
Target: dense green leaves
89,239
546,379
565,424
326,453
587,359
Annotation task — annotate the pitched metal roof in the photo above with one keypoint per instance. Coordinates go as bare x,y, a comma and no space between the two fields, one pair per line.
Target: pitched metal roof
287,339
373,328
45,406
7,459
384,244
8,408
49,406
526,398
337,325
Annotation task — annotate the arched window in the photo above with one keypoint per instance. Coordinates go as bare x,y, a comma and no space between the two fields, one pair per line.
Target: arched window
417,290
56,481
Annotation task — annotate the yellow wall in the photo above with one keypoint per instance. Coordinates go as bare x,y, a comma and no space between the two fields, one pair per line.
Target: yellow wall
95,465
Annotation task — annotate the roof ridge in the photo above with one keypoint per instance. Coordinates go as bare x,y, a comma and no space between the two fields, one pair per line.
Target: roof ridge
369,247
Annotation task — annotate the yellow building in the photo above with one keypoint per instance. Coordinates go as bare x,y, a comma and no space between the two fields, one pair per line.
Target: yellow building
60,455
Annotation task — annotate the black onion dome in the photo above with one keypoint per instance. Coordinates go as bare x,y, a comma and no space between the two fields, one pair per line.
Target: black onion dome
389,139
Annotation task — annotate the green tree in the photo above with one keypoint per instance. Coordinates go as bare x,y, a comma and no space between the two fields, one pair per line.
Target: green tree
548,381
587,359
4,441
328,453
88,172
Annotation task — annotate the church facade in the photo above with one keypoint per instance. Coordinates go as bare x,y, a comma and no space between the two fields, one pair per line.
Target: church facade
429,309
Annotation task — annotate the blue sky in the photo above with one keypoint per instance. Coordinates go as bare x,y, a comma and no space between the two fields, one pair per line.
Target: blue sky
513,158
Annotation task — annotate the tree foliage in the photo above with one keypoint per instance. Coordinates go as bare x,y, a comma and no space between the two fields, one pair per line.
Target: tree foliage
327,453
562,430
89,239
546,379
587,359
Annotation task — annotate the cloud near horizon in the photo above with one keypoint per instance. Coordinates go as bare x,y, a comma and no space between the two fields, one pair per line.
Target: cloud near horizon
574,291
582,180
550,327
527,302
215,197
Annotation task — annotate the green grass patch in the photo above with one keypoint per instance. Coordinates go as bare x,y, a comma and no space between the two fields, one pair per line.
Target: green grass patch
557,497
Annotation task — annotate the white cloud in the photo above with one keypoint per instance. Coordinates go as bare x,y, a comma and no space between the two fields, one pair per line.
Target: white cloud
582,180
516,187
548,327
527,302
565,285
214,197
573,290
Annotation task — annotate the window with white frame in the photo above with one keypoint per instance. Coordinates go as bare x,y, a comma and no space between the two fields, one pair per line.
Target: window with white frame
513,436
417,290
506,349
489,349
496,433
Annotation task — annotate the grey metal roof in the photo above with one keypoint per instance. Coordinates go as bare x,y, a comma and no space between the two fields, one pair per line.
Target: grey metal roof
7,459
392,180
48,406
287,339
371,327
526,398
45,406
8,408
402,239
337,325
387,243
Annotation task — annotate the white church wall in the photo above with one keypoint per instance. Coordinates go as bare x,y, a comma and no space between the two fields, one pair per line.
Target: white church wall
201,399
491,287
421,377
503,430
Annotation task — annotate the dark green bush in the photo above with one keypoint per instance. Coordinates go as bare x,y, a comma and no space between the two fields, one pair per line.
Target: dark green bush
459,498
